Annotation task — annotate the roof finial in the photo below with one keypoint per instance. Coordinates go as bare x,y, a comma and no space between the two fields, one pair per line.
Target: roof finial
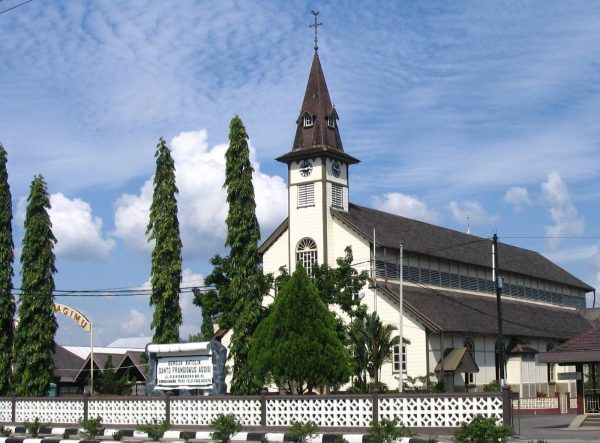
315,25
468,225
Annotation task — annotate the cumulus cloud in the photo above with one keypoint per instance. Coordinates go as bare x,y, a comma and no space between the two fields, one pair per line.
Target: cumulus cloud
563,213
138,324
407,206
200,174
78,232
517,197
471,210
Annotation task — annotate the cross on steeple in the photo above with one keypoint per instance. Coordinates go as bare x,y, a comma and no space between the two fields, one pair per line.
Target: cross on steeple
315,25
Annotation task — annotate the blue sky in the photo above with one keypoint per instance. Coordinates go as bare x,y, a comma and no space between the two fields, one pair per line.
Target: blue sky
480,109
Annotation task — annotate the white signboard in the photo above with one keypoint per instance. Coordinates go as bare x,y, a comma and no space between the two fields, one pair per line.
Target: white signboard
184,371
569,375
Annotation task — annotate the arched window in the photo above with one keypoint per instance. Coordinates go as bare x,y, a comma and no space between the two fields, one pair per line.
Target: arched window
306,253
470,376
469,344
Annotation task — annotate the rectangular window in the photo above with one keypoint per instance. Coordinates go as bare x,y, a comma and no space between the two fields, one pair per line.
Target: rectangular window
306,195
469,379
337,196
396,358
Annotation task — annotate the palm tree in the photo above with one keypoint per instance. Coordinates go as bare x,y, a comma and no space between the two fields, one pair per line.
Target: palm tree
374,343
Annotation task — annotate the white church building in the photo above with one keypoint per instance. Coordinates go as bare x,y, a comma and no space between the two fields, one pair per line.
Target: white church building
449,299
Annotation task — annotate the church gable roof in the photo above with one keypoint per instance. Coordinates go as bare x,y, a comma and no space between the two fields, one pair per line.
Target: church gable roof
427,239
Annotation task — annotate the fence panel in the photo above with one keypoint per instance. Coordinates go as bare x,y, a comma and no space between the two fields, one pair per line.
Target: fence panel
59,411
5,411
439,411
202,411
536,403
127,412
325,412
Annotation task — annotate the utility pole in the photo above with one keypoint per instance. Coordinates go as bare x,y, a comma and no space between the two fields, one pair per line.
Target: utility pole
498,286
374,273
401,325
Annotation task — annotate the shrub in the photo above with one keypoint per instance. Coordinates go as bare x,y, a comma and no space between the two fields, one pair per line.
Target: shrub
482,430
155,429
66,435
92,428
187,436
493,386
388,431
300,432
4,432
33,428
423,384
264,439
340,439
225,427
118,435
432,440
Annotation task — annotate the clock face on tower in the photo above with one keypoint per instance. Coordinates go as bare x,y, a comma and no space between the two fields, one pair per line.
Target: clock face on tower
306,168
336,168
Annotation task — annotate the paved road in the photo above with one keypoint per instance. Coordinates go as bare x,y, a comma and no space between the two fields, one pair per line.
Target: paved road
553,428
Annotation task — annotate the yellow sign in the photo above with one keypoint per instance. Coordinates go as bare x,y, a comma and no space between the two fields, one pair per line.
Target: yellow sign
74,315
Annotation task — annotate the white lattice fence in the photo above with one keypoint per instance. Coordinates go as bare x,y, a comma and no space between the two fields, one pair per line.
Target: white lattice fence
127,412
49,411
203,411
350,411
5,410
536,403
439,411
573,403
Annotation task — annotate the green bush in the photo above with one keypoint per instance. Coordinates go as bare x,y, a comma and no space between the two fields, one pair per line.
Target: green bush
92,428
4,432
493,386
225,427
482,430
388,431
423,384
155,429
187,436
66,435
300,432
118,435
33,428
340,439
264,439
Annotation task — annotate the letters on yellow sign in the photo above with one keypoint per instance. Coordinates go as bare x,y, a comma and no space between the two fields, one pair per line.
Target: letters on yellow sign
73,314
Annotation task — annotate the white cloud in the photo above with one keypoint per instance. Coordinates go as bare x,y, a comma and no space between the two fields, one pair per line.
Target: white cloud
517,197
200,174
563,213
471,210
406,205
138,324
78,233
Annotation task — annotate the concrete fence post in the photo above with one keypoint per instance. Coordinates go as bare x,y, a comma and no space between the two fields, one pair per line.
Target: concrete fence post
375,394
506,406
263,407
86,398
14,409
168,407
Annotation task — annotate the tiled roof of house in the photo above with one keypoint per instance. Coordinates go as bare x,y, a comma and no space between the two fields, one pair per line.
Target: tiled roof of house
588,341
66,364
427,239
453,311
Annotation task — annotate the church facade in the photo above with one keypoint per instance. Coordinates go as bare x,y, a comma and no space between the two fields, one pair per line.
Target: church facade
449,299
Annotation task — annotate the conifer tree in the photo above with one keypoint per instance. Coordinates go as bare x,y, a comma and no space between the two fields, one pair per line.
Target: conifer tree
297,345
238,277
7,303
163,227
34,338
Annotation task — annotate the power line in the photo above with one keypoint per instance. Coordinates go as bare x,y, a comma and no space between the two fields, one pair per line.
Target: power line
15,7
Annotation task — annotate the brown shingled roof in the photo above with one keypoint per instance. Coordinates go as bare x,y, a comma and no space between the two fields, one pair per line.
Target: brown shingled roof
66,364
453,311
588,341
424,238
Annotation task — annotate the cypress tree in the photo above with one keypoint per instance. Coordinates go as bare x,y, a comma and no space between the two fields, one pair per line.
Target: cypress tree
34,338
163,227
7,303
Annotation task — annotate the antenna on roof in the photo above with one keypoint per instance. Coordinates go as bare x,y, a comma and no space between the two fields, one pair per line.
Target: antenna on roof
315,25
468,225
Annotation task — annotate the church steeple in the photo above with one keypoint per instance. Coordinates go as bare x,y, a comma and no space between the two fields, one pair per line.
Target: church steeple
317,125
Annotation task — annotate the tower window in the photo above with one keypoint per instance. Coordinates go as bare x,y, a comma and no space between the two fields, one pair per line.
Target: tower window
337,196
308,121
306,195
306,253
331,121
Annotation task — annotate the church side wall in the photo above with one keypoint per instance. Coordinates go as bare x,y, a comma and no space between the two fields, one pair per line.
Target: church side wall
277,255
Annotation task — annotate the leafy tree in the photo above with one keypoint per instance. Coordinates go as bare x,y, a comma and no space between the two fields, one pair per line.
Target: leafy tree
373,343
238,278
206,303
7,302
297,346
163,227
109,384
34,338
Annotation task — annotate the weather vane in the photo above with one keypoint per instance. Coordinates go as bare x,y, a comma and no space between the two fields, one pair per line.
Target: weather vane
315,25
